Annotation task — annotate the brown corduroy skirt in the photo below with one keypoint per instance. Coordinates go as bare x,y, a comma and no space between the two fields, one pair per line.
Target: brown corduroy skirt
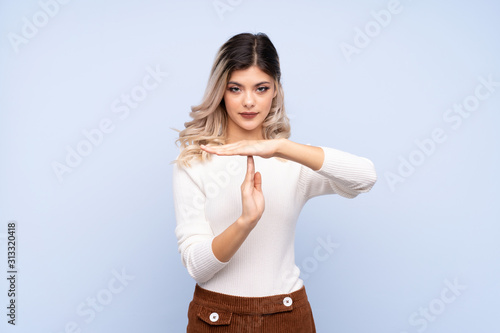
215,312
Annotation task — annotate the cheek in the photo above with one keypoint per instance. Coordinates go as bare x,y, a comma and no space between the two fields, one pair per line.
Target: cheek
269,102
230,102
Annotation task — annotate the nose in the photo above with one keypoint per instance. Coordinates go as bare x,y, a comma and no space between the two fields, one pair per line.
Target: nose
249,100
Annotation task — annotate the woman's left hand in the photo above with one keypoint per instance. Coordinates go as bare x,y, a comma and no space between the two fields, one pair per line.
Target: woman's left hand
262,148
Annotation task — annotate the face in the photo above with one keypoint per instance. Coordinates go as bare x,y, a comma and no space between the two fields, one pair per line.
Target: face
248,98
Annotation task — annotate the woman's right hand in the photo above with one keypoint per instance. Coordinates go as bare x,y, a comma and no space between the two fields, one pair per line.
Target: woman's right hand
252,197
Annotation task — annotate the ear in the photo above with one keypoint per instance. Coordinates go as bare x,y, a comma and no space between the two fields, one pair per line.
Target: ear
275,90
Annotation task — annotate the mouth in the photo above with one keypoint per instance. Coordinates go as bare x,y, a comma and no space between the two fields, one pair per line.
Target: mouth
248,115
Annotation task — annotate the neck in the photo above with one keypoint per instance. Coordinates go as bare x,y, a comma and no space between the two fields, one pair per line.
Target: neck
235,136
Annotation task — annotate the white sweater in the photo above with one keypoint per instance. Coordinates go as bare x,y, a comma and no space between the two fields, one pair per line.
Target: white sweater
207,199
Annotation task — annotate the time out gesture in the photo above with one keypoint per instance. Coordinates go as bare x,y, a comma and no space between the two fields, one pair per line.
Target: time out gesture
227,243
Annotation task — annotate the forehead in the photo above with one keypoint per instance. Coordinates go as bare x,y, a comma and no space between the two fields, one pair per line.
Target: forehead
249,75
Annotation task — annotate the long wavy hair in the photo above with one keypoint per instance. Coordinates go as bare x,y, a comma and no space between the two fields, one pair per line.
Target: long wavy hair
209,124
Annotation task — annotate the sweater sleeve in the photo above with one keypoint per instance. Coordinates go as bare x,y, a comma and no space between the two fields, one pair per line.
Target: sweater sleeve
193,231
341,173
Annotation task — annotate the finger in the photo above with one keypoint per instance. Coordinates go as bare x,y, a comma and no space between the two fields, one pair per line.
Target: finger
258,181
250,169
235,150
219,150
207,148
218,147
230,144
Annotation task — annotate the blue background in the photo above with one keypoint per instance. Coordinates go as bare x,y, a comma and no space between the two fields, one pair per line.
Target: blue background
398,248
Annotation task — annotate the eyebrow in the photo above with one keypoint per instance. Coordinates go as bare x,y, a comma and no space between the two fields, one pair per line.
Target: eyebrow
257,84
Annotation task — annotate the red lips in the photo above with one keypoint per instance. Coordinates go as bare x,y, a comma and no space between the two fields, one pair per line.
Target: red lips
248,115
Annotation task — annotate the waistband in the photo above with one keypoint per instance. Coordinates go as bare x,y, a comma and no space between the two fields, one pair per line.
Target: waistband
251,305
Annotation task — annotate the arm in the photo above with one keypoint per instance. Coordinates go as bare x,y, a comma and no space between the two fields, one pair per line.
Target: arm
328,170
310,156
225,245
193,232
325,170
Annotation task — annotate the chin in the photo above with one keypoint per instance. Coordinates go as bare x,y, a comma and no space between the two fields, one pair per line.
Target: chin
250,129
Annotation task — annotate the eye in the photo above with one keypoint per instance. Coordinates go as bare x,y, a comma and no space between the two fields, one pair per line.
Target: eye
263,89
234,89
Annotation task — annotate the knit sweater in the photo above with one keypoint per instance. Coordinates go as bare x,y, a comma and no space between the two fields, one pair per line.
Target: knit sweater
207,199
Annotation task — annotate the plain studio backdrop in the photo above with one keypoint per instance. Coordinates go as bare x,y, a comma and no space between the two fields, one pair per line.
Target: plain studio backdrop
89,91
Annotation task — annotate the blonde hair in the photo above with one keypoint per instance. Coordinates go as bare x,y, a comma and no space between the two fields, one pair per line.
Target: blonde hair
209,122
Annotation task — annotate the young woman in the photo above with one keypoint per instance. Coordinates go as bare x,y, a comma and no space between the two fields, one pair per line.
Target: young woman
236,225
